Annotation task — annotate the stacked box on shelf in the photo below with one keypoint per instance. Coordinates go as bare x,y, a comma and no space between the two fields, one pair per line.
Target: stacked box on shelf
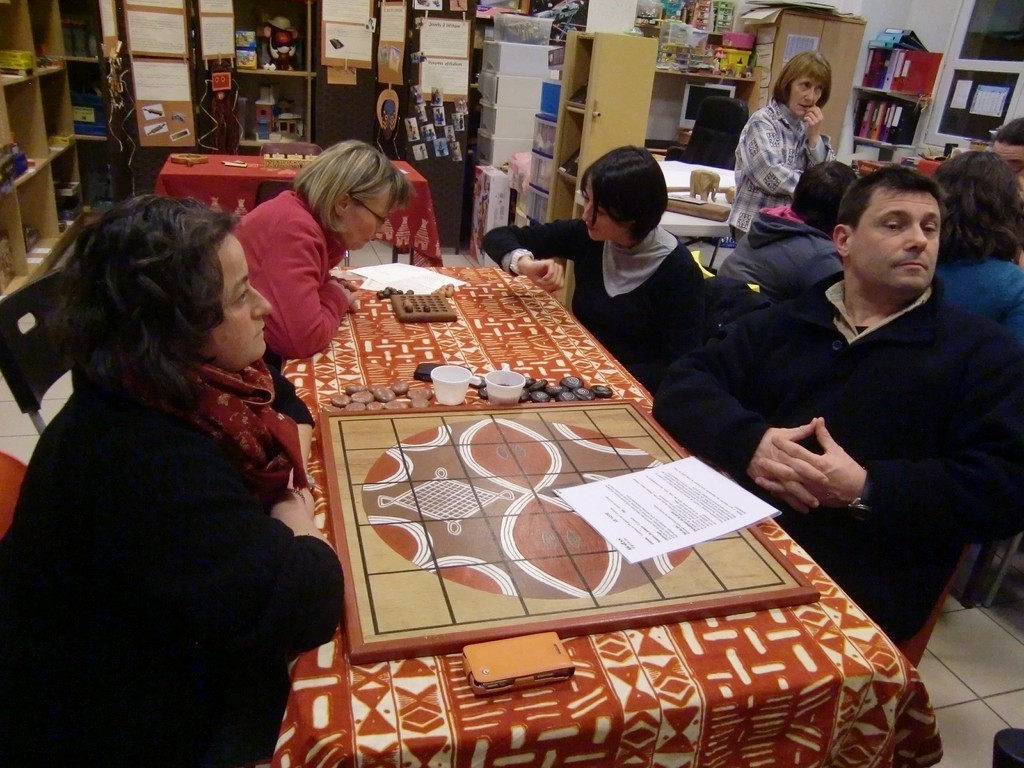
491,193
511,78
89,114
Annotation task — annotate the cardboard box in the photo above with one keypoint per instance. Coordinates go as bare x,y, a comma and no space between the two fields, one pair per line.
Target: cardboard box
491,191
245,58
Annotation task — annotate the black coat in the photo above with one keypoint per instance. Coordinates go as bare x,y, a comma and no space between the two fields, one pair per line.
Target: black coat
148,604
932,404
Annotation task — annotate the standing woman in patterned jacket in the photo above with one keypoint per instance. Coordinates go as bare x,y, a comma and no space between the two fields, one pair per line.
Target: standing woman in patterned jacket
782,140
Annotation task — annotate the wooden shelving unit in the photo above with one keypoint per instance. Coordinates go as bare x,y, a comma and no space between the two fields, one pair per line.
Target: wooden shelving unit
606,84
35,107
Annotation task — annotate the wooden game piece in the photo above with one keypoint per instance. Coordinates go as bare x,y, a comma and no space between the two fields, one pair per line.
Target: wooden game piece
383,394
422,308
188,158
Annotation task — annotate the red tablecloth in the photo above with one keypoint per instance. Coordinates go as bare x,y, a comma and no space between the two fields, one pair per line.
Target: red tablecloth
411,230
811,685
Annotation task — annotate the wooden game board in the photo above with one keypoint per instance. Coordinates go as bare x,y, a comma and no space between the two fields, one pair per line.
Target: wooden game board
450,533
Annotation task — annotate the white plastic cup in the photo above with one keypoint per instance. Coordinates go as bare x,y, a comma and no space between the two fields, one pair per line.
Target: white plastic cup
504,387
450,384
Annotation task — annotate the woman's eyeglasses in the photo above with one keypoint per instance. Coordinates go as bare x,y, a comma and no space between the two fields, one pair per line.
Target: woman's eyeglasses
380,219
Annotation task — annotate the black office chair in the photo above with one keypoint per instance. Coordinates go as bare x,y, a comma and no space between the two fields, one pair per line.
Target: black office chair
268,189
29,360
716,132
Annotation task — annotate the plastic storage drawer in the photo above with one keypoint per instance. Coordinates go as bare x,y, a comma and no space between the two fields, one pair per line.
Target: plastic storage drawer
544,134
512,90
541,169
536,204
515,58
496,150
506,121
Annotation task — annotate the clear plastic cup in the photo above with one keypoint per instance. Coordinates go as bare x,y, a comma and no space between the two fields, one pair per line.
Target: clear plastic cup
450,384
504,387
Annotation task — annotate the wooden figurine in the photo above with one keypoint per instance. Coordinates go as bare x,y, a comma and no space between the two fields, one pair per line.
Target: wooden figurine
704,184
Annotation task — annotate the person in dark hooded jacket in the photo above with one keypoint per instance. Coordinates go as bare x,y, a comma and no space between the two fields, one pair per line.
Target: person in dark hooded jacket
789,249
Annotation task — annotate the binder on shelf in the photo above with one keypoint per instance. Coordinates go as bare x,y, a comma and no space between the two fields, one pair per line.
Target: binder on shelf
917,72
898,38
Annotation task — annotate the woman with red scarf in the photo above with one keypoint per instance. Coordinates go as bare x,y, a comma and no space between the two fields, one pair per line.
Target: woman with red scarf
163,565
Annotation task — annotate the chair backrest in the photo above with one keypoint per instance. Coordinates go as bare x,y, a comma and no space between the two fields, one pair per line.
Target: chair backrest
268,189
290,148
29,360
716,132
12,472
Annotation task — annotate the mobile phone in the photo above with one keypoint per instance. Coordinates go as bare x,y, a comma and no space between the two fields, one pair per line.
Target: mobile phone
516,662
422,372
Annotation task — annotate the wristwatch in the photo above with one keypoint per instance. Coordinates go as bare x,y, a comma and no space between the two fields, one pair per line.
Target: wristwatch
860,508
513,262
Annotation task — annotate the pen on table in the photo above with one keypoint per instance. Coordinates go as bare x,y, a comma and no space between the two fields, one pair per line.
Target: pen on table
234,163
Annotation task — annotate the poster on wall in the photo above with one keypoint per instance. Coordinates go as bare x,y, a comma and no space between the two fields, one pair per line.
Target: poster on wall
444,61
163,103
346,34
565,15
391,47
158,29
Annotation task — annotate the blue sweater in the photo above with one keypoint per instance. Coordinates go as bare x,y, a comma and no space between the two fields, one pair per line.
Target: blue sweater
992,288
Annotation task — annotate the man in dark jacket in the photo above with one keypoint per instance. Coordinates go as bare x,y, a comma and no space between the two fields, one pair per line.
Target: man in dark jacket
789,249
887,425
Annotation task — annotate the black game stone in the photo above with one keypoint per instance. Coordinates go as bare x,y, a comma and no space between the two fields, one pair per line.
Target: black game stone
600,390
572,382
540,397
582,393
565,396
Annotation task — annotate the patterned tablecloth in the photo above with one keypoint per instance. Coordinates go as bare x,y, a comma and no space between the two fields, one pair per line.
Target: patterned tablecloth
813,685
412,229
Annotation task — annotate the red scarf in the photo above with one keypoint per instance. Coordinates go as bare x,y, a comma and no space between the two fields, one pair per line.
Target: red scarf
235,410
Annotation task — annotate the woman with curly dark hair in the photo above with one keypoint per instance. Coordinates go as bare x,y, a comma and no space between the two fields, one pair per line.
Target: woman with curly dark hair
163,564
982,234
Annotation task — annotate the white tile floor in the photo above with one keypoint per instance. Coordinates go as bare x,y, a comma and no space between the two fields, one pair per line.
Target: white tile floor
974,666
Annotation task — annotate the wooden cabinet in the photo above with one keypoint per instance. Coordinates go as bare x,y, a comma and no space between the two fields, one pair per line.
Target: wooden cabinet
606,95
837,37
41,210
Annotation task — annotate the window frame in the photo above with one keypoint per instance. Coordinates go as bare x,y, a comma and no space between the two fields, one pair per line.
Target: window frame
952,62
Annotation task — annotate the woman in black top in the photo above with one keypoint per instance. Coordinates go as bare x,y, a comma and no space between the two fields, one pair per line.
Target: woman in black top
163,565
638,290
